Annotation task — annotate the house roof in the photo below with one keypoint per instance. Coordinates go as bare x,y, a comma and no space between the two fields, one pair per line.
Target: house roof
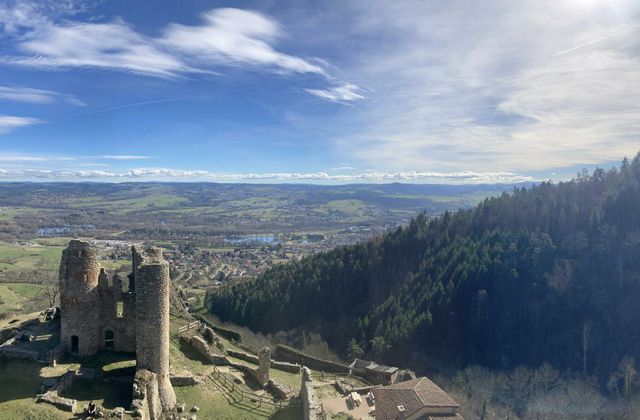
362,364
410,396
382,368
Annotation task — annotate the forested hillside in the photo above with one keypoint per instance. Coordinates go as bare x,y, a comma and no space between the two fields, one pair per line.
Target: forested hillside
546,274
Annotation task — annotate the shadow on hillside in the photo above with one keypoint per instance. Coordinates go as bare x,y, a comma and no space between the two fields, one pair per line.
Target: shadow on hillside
113,383
19,379
114,394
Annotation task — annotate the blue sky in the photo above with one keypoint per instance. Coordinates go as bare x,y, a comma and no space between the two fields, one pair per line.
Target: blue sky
306,91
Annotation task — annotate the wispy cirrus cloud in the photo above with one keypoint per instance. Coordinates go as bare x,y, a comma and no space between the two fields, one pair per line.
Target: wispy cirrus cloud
112,46
17,16
346,92
13,158
36,96
235,37
9,123
10,157
225,38
120,157
456,87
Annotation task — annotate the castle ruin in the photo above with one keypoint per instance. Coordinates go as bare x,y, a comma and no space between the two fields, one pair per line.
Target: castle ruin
97,314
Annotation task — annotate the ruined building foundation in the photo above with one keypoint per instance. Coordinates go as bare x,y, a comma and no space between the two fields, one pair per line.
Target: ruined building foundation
97,314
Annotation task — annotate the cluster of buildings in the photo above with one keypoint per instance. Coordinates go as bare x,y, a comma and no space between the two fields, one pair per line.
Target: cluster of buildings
400,399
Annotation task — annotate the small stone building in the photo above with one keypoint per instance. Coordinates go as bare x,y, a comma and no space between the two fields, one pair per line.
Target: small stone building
373,372
97,313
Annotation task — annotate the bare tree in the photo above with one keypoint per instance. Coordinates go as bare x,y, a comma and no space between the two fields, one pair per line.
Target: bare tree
47,278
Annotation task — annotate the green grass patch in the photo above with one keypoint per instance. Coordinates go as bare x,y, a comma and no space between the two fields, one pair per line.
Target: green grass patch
10,301
19,383
33,256
25,290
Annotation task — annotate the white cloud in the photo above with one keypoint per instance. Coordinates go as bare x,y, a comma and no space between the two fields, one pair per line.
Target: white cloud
235,37
35,96
346,92
10,158
17,16
141,174
13,157
227,37
120,157
113,46
455,86
9,123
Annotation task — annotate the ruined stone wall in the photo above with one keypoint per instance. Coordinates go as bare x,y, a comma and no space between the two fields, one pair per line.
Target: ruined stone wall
291,355
152,284
311,407
146,401
123,328
79,271
264,366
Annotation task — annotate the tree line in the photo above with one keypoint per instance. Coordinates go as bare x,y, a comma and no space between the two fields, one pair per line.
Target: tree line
546,274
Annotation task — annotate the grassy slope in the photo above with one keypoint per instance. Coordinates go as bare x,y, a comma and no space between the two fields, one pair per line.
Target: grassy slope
19,383
14,295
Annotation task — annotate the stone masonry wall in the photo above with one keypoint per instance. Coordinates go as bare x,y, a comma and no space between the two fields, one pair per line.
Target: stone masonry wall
79,271
124,334
310,404
152,320
291,355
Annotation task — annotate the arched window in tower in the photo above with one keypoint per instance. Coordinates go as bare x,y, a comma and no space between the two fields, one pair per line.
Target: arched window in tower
119,309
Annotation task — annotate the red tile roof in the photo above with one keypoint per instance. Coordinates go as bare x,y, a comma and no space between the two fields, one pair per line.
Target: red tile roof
410,396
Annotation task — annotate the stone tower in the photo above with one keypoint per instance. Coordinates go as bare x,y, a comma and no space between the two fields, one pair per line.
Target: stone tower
151,279
265,364
79,272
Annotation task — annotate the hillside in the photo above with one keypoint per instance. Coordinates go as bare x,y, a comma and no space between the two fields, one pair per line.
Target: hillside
547,274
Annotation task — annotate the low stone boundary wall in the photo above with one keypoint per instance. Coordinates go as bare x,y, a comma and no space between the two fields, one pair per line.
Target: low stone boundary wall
52,396
184,378
279,391
289,354
244,356
9,351
311,406
287,367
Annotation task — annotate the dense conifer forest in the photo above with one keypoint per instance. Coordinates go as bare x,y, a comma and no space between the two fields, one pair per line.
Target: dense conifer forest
545,274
